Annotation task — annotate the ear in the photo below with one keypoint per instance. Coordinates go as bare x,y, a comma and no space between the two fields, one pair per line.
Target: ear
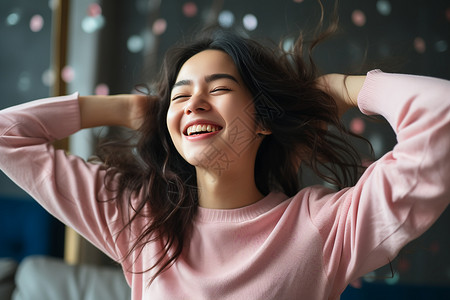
263,131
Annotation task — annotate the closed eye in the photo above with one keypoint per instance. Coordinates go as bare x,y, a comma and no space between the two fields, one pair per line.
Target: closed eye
179,97
220,89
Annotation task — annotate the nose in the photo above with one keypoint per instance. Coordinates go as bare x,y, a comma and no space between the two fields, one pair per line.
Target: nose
196,104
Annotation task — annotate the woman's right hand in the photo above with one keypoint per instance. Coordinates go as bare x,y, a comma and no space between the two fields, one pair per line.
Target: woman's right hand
118,110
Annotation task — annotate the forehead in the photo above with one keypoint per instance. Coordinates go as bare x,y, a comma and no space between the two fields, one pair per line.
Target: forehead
207,62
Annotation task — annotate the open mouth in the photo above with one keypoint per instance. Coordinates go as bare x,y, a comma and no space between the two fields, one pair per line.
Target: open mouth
199,129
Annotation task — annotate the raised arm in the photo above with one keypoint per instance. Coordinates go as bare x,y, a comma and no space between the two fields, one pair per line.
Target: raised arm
118,110
344,89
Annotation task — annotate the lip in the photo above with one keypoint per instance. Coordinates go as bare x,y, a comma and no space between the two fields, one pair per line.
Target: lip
201,122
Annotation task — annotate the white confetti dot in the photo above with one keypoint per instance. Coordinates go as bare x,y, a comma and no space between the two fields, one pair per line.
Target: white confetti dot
384,7
250,22
226,19
135,44
92,24
48,77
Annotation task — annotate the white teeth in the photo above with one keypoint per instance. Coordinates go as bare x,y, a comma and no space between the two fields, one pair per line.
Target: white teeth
201,128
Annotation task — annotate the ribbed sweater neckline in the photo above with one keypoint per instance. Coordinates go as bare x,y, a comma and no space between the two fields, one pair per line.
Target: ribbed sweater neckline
211,215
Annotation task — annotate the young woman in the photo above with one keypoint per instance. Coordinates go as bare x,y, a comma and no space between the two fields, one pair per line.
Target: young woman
207,203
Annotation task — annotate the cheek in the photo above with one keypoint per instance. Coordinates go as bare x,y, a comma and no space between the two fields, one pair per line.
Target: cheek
172,122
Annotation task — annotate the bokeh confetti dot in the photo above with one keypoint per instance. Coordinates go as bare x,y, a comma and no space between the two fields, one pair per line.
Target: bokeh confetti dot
358,18
36,23
48,77
68,74
12,19
190,9
91,24
384,7
24,82
250,22
94,9
135,44
159,26
102,89
226,19
357,126
419,44
441,46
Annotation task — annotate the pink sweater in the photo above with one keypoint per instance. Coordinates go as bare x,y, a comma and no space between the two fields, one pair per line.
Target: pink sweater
306,247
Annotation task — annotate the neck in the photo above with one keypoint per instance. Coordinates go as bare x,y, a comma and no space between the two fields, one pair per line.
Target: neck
228,190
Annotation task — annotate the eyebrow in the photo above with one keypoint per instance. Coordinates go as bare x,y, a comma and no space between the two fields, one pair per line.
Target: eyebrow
208,78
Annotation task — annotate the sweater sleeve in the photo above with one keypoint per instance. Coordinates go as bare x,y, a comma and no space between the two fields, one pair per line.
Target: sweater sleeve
403,193
65,185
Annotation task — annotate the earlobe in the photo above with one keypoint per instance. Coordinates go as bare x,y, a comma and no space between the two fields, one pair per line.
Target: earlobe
264,131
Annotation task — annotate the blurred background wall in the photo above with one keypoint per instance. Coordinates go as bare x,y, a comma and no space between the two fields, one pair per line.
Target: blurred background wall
114,45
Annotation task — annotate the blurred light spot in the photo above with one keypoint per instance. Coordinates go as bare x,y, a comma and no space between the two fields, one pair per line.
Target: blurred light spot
36,23
146,6
288,44
68,74
370,277
358,18
12,19
53,4
357,126
298,1
94,10
135,44
92,24
392,279
102,89
226,19
384,7
159,27
447,14
441,46
24,82
250,22
189,9
377,143
419,45
48,77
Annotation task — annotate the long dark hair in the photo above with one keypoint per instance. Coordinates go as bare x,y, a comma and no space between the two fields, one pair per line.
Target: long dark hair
287,102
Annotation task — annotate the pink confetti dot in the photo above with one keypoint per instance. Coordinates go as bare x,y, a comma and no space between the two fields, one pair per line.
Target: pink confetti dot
159,27
298,1
36,23
419,45
189,9
94,9
67,74
357,126
358,18
102,89
447,14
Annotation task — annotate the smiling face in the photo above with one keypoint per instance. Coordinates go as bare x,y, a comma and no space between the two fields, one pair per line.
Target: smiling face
211,114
